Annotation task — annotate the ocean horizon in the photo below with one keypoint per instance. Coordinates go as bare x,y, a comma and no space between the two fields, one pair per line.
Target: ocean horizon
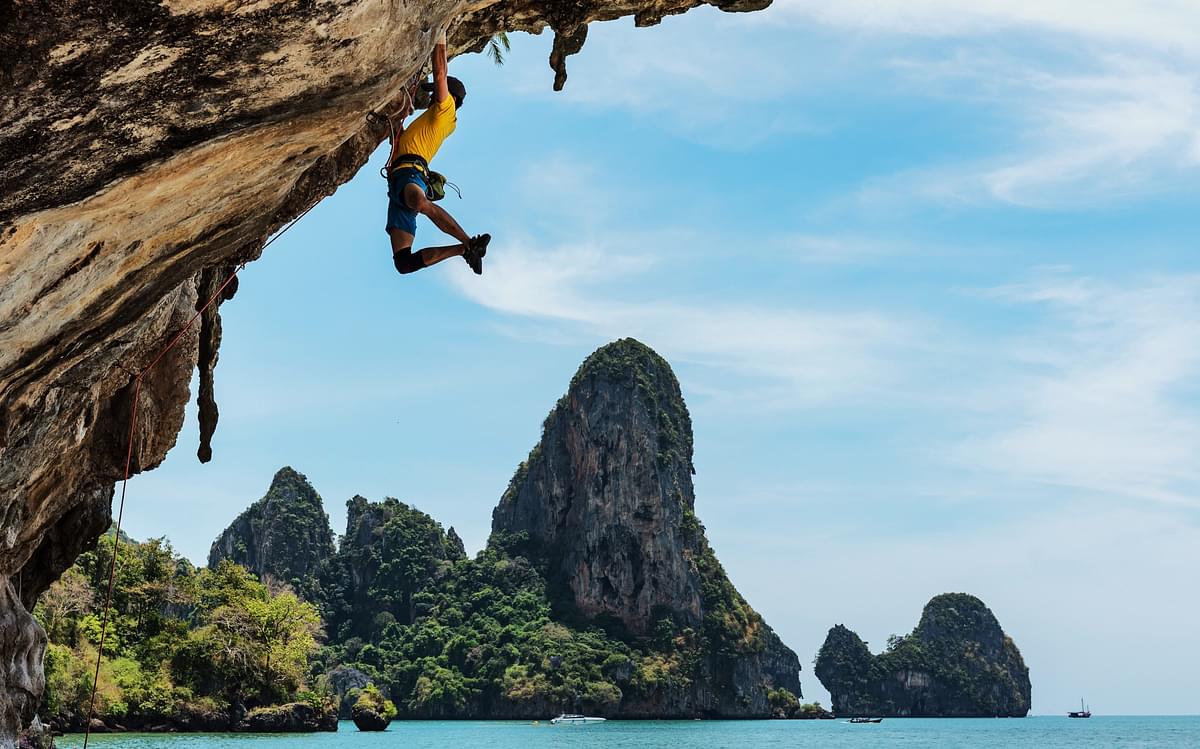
1038,732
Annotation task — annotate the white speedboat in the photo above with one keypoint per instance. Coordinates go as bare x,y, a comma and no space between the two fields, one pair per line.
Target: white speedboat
574,720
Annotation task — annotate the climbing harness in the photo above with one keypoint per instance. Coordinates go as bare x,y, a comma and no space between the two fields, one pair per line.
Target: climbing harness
435,182
137,390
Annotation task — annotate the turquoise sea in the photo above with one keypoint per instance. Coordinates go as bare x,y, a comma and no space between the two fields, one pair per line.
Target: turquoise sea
1026,733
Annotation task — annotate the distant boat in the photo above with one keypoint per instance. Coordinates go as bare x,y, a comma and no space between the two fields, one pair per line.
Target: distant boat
574,720
865,720
1082,712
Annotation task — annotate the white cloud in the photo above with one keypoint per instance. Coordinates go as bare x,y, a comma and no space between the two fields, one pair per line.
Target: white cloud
803,357
824,249
1090,101
1104,133
1107,104
1124,127
1097,399
701,77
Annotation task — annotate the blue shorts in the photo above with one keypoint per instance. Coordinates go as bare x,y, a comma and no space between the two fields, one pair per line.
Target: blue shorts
399,215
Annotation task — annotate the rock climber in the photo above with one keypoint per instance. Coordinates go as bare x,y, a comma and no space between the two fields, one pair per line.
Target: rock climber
408,176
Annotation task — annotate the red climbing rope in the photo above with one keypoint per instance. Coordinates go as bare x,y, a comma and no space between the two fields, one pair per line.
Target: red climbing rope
137,390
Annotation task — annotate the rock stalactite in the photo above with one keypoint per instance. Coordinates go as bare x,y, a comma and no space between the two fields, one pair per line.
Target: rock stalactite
143,148
219,285
565,44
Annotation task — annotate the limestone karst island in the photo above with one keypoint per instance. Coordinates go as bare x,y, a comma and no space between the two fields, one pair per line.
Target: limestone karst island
637,373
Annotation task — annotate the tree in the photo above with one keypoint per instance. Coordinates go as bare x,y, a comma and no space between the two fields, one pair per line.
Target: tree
61,606
285,629
254,644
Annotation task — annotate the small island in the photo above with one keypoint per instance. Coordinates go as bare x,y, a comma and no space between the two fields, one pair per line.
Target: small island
957,663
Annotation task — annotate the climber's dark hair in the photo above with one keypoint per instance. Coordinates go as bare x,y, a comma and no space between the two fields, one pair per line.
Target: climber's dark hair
457,90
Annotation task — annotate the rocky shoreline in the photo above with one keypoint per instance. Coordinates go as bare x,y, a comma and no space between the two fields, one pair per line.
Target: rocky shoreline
294,717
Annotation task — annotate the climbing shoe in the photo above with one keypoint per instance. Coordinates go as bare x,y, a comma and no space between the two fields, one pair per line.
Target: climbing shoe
475,251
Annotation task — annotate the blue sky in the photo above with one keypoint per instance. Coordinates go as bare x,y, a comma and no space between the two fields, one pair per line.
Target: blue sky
928,276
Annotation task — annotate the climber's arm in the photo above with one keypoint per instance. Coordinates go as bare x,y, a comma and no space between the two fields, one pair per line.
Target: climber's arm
441,90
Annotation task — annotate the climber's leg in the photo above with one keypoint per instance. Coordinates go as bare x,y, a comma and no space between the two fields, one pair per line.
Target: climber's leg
415,200
407,261
471,249
406,193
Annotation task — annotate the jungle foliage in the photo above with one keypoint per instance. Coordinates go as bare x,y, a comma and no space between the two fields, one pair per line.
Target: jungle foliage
179,641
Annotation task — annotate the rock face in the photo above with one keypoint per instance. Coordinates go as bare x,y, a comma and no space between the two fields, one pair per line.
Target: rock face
606,498
147,149
390,553
285,536
605,507
957,663
21,677
343,680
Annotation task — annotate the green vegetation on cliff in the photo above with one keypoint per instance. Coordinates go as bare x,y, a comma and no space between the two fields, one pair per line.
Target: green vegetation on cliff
448,636
731,626
183,646
389,554
369,698
597,592
630,360
487,644
283,537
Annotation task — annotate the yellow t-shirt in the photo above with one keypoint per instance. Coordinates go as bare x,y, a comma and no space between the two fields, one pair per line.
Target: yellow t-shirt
425,135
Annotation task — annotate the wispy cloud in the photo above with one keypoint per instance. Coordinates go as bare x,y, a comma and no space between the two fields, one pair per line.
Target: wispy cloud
807,357
697,76
1125,125
1163,24
1098,397
1089,101
568,276
1103,99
